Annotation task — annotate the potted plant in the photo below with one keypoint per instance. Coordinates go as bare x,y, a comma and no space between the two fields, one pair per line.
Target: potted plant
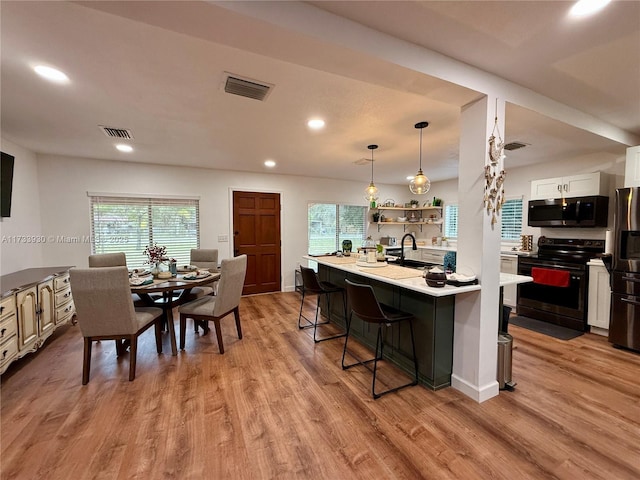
414,203
376,216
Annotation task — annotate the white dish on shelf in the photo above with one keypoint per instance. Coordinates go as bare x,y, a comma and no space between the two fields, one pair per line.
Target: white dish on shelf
371,264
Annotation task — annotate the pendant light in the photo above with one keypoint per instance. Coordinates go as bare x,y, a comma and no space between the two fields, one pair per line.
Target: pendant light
420,183
371,191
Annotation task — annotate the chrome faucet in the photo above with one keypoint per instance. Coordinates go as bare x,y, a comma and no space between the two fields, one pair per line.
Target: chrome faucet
414,247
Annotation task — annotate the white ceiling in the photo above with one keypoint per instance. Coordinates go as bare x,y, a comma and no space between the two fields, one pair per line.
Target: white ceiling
157,69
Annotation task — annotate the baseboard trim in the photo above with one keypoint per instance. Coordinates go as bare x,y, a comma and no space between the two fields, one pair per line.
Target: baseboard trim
479,394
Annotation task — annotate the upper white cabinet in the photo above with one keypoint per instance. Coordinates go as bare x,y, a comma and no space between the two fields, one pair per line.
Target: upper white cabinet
632,169
571,186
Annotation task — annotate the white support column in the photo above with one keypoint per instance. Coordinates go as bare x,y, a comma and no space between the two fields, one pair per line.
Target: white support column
475,349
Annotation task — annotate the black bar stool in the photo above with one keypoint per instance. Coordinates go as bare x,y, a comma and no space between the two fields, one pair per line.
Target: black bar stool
311,284
366,306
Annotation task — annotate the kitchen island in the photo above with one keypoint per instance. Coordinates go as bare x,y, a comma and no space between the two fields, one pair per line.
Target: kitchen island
405,289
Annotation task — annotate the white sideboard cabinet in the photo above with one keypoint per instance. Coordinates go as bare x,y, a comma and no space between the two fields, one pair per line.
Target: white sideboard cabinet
35,302
8,331
571,186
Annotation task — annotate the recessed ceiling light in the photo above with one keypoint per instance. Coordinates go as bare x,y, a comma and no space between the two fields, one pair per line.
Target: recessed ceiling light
124,148
51,74
315,123
587,7
269,163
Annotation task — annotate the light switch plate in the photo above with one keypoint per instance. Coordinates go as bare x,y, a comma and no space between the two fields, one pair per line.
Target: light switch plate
223,238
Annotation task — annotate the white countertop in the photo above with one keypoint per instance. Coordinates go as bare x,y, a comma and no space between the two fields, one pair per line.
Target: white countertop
596,262
430,247
453,249
418,284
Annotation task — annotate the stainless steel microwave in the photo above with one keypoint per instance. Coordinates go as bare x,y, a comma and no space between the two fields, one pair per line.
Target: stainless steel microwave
574,212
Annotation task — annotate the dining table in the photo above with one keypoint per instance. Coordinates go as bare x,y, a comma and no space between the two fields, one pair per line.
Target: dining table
173,292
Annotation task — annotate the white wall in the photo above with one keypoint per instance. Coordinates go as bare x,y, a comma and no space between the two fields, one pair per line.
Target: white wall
518,183
67,181
21,232
50,200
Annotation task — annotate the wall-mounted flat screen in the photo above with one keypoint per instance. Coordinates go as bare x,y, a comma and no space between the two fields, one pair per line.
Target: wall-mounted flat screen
6,184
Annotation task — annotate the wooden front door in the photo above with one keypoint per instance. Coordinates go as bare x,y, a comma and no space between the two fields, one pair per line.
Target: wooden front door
256,233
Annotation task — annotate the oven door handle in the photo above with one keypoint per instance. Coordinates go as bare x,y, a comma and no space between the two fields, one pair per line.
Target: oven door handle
571,268
633,302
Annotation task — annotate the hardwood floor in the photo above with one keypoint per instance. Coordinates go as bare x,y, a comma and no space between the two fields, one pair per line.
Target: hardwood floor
276,405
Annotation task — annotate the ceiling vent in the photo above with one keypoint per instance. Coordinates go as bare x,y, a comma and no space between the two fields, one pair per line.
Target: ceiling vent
515,145
112,132
246,87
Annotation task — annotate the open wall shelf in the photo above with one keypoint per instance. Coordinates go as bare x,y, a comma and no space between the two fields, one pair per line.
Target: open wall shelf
417,213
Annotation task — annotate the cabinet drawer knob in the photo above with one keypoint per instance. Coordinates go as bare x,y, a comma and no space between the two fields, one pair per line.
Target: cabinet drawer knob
4,354
2,332
67,295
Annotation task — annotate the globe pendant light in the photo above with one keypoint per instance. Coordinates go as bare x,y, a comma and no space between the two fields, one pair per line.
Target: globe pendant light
420,183
371,191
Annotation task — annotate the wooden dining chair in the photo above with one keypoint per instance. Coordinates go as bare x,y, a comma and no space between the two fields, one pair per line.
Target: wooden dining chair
213,309
105,311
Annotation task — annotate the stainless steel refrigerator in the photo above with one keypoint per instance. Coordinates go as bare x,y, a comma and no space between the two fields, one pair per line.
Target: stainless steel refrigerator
624,324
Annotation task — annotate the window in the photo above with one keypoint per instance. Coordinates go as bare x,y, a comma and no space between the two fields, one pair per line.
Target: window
451,221
512,219
511,214
330,224
129,224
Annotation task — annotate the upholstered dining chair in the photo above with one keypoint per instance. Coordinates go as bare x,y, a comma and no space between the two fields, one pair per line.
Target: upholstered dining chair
205,259
119,259
105,311
227,301
108,260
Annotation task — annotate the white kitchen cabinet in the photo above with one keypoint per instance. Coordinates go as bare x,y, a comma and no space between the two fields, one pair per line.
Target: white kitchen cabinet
433,255
599,298
632,168
571,186
509,264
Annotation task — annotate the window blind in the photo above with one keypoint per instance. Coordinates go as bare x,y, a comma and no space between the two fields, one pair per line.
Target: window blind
451,221
329,224
130,224
511,214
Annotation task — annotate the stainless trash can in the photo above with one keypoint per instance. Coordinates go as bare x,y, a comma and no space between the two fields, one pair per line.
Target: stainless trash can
505,346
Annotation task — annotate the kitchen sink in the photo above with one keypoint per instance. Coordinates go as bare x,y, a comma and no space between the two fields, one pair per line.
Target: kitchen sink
417,264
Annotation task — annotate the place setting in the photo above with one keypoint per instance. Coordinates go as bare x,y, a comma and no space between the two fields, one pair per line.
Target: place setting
196,275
